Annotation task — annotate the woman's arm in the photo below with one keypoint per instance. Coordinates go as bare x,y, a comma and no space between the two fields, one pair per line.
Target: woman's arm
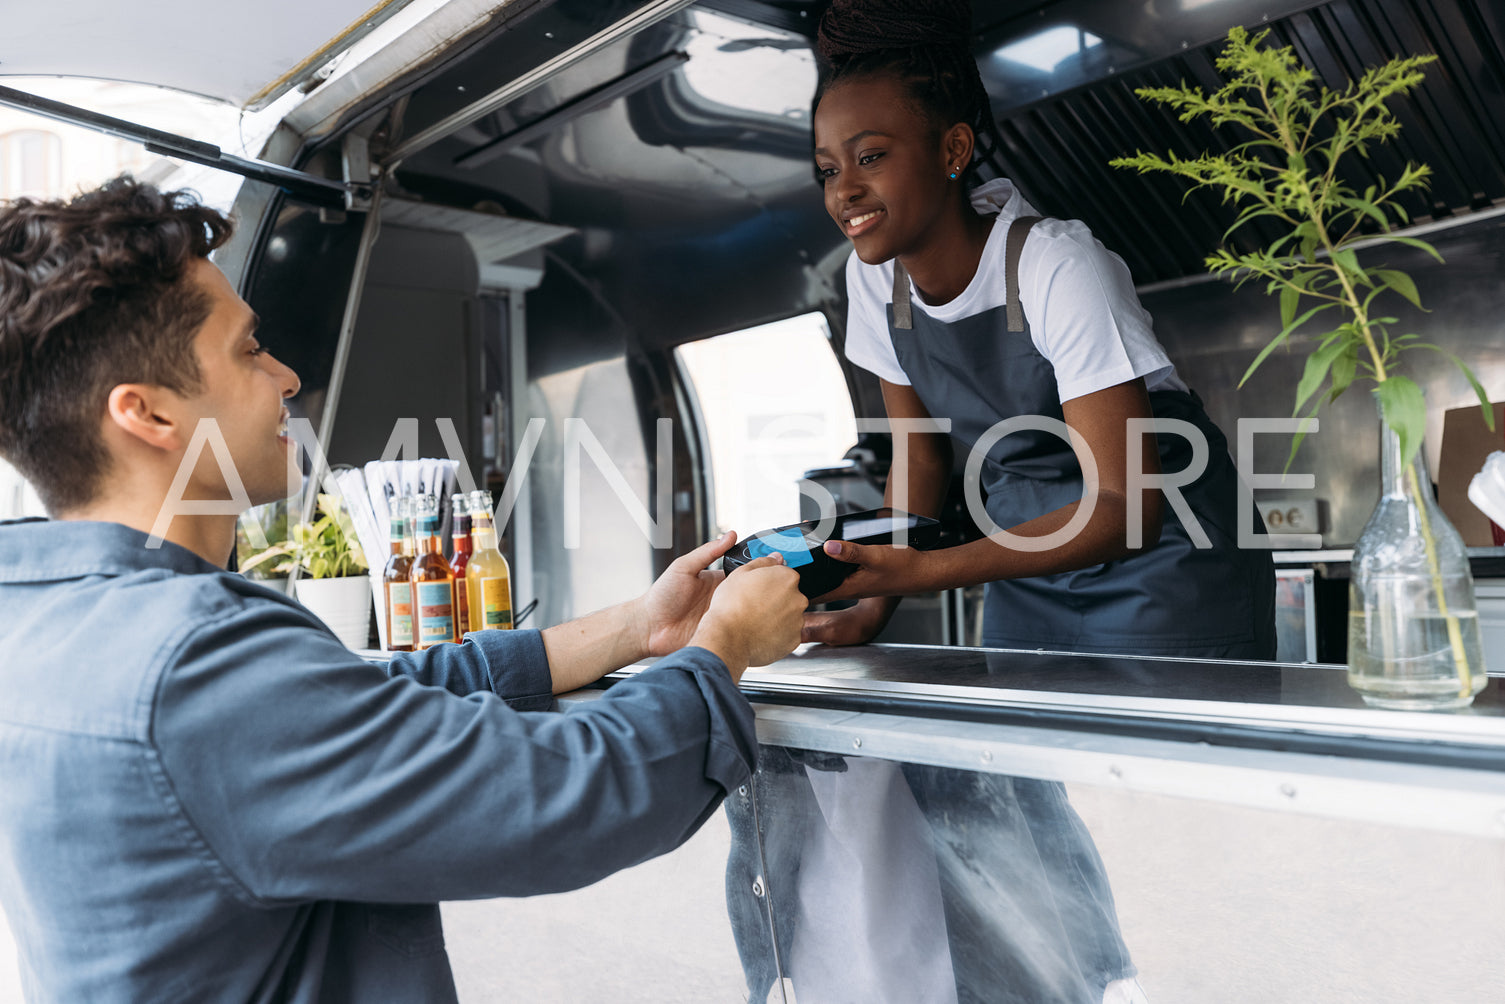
1101,419
921,480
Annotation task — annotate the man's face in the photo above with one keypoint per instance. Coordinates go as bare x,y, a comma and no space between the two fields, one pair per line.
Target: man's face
243,389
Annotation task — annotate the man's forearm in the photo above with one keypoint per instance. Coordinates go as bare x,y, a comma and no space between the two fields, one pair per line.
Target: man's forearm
582,651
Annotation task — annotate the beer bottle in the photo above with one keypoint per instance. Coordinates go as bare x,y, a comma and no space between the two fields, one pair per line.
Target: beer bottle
433,580
488,578
397,589
460,533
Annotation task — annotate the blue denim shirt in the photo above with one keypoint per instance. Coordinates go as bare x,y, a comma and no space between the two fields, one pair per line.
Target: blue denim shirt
205,796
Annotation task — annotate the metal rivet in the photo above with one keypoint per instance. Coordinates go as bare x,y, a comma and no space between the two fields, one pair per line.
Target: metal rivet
742,791
1288,790
857,743
548,34
987,756
758,887
1185,45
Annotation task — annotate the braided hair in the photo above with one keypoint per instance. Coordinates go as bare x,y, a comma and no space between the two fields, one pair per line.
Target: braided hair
926,45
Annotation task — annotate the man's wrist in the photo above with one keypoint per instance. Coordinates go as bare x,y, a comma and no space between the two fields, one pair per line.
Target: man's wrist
636,631
722,644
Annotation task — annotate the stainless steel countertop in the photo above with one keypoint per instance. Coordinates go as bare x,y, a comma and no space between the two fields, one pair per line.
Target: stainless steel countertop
1263,705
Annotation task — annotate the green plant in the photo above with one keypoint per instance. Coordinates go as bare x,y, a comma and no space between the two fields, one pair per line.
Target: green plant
326,548
1288,171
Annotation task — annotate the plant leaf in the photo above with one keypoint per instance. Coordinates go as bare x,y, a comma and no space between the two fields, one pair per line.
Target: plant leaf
1398,281
1306,423
1479,392
1290,296
1345,368
1264,353
1413,242
1346,258
1317,366
1405,410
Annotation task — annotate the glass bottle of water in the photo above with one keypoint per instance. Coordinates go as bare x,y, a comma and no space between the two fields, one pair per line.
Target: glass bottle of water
1413,638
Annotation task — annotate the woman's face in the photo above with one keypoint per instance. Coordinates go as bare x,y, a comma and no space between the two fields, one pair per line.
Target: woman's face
883,167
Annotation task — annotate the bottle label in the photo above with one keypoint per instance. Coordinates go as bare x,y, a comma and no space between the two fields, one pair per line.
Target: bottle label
436,621
496,601
400,602
462,608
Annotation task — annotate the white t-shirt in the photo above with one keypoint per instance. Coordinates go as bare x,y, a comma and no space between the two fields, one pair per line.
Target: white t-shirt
1078,298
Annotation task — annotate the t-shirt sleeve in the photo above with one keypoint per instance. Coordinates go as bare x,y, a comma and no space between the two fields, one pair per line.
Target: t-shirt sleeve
303,773
868,341
1084,315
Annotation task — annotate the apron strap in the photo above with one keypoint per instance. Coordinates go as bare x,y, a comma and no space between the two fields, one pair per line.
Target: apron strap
1018,231
903,318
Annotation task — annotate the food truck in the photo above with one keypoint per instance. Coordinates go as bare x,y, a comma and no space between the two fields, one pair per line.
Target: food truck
516,222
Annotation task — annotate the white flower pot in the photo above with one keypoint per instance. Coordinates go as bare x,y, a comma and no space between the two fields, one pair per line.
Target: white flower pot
344,604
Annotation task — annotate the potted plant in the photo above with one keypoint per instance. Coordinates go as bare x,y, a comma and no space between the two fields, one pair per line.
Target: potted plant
332,581
1414,635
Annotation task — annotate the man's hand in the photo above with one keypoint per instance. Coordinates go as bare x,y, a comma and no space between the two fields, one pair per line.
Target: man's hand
755,615
672,607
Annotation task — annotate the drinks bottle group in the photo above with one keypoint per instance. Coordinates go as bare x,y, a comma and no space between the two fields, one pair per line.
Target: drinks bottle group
431,599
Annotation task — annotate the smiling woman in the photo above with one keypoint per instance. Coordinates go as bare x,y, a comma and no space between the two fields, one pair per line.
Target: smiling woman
976,313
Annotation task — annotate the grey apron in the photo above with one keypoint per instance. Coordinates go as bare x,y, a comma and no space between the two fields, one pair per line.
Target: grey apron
984,369
1029,913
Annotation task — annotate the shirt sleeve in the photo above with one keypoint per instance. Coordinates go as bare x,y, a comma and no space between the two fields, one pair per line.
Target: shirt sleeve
301,772
868,342
1084,315
510,664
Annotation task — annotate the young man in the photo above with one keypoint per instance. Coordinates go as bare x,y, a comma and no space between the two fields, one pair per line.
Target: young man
206,796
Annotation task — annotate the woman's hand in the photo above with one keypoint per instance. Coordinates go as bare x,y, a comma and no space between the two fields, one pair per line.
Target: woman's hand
882,570
853,626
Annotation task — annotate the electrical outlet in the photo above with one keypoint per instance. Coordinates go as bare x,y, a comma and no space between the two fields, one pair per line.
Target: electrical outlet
1290,515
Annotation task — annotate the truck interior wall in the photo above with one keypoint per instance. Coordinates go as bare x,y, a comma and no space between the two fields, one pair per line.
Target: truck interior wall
1213,332
415,352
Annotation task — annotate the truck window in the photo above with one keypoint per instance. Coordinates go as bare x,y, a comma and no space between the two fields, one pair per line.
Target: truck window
773,404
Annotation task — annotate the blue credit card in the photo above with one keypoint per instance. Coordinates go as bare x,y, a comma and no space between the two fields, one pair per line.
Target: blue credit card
794,548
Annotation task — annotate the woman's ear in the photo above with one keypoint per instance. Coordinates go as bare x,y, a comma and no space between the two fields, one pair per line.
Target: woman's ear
957,145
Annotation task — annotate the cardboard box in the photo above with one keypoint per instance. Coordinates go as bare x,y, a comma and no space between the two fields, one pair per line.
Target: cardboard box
1466,442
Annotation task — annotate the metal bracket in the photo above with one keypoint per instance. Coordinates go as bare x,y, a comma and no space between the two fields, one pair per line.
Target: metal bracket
301,185
355,161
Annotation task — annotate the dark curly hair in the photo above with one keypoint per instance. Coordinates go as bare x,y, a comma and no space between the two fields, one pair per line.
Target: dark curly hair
927,46
93,294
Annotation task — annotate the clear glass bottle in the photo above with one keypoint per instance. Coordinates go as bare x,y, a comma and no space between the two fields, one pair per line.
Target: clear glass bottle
433,581
488,577
397,587
1413,626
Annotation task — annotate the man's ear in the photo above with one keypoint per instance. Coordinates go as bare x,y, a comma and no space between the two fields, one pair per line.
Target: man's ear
145,413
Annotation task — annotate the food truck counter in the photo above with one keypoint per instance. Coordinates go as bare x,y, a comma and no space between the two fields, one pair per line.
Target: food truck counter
979,825
1307,707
